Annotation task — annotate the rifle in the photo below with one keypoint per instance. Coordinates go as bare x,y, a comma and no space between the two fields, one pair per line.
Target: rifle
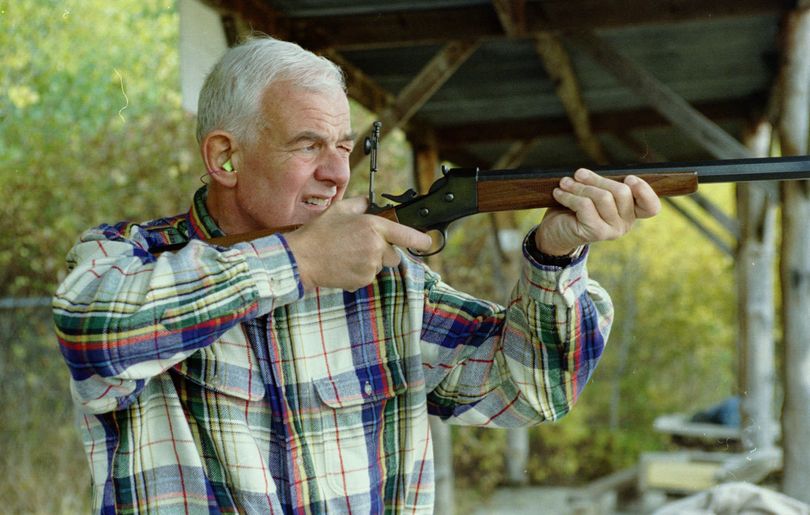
463,192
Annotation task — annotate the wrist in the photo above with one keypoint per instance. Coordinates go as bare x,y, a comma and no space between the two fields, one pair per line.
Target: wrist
550,256
546,248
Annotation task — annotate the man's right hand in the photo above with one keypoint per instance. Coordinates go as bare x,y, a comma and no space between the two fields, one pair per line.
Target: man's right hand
346,248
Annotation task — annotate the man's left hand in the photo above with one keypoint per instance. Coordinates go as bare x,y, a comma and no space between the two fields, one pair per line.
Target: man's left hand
598,209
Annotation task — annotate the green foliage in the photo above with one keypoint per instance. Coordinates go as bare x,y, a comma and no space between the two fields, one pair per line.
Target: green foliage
92,130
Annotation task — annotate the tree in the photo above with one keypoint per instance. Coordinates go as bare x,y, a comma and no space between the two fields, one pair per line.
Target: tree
92,128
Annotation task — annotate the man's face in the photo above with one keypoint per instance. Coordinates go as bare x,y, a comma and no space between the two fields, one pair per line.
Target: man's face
299,162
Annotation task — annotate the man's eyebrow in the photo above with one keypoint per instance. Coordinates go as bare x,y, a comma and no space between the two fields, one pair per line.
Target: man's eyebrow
315,136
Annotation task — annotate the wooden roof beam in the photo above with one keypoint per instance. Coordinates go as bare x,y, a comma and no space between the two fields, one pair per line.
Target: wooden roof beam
613,121
559,68
255,14
512,15
728,223
360,86
434,26
716,240
672,106
419,90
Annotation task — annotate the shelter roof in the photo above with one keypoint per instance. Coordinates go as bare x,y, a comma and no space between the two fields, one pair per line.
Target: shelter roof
529,82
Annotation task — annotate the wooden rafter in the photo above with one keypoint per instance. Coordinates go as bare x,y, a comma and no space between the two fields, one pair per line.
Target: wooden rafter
433,26
615,121
360,86
558,66
419,90
718,242
516,154
255,14
672,106
651,155
512,16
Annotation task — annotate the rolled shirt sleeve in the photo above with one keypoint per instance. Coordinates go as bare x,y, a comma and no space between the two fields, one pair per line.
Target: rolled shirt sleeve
520,364
124,315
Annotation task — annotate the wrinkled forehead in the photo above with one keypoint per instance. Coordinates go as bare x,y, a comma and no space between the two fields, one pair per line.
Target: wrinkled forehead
295,106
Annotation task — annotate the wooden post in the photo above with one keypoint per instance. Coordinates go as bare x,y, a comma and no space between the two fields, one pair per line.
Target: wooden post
426,164
756,254
795,265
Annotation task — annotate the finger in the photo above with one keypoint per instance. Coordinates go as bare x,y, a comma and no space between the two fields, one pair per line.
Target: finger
605,206
646,201
404,236
622,196
581,205
390,257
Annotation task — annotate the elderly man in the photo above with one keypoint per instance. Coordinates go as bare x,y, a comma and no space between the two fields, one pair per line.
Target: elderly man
295,372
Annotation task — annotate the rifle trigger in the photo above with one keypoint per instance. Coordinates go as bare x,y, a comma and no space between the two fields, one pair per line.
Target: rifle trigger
433,251
404,197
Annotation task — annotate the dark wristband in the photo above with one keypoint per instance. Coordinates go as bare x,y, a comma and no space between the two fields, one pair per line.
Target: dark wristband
547,259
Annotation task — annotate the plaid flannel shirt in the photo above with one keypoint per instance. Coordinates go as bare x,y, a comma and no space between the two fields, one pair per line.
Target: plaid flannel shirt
207,381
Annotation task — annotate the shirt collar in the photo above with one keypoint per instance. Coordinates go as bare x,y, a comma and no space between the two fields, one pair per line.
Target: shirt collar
201,223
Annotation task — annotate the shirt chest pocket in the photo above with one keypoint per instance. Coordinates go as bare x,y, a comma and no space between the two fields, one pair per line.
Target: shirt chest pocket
355,408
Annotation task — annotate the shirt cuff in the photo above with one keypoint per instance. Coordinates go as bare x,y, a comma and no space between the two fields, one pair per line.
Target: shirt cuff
552,283
538,258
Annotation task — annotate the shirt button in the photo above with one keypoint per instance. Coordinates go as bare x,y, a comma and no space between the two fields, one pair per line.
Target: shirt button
367,388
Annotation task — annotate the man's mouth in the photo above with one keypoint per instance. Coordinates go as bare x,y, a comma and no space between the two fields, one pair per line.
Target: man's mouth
317,201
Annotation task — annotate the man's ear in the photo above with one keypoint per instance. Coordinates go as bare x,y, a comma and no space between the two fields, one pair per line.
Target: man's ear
219,153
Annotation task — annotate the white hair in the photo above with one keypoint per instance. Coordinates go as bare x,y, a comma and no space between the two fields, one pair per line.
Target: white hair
230,98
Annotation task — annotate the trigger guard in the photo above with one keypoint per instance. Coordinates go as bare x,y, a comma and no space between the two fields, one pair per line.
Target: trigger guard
442,244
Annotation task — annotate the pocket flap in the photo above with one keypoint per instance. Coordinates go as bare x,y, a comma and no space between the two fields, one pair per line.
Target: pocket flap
366,384
227,366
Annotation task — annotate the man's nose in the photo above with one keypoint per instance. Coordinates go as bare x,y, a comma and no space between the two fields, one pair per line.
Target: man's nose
334,166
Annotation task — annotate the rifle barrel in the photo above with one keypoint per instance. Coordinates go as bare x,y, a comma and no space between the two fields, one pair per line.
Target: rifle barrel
728,170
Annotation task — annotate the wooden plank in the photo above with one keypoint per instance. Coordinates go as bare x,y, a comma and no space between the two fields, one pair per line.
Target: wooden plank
417,92
678,424
673,107
681,477
680,472
795,265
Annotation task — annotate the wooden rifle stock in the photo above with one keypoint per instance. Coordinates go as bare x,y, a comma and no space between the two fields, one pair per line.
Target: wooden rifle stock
517,194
